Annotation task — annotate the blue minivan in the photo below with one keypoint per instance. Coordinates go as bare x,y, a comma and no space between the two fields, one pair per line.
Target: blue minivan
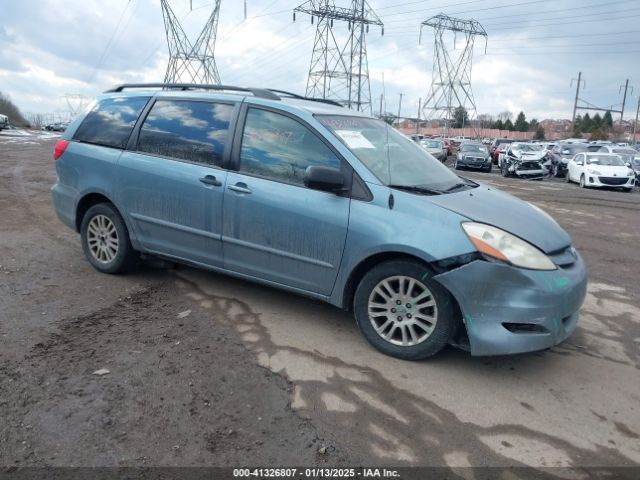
308,196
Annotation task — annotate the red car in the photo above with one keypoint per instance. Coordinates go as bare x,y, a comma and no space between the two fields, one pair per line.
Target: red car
447,143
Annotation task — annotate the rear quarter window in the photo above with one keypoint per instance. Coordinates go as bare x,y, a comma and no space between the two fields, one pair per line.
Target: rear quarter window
195,131
111,121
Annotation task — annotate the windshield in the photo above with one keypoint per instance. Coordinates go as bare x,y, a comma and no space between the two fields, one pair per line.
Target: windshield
471,148
389,155
608,160
628,151
431,144
526,147
636,162
573,149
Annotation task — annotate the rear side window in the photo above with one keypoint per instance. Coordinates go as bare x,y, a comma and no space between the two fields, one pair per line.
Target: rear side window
111,121
187,130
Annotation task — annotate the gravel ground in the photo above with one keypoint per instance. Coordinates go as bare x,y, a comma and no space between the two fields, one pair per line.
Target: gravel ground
255,376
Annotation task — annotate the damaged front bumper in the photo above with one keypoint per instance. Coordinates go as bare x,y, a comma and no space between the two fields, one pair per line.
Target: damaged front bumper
510,310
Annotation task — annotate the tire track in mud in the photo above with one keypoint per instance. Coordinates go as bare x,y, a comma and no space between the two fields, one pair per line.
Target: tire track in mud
180,391
400,426
29,212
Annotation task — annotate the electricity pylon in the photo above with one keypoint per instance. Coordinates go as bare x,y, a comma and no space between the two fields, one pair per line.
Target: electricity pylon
191,63
75,103
340,73
451,77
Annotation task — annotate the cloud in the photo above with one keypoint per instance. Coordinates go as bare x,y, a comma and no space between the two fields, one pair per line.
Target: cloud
49,49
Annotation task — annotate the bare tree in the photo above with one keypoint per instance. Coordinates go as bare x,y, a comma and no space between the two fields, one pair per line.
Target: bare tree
8,108
504,116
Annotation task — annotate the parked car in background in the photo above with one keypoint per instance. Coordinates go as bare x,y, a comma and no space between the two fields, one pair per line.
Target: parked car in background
562,153
594,146
322,201
635,166
626,153
600,169
4,121
496,148
416,137
524,160
449,146
486,141
456,141
56,127
473,155
435,148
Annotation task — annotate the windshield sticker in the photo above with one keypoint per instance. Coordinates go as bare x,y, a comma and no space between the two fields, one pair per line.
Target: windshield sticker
354,139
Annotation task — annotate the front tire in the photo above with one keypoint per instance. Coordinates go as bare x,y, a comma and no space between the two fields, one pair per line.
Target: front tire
504,169
402,312
105,239
582,182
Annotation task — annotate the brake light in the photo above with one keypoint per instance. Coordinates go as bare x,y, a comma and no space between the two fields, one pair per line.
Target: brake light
59,148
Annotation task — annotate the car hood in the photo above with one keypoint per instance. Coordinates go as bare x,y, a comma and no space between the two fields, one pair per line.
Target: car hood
610,170
529,155
493,207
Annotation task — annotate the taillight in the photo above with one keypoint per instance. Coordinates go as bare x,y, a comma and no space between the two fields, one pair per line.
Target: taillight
59,148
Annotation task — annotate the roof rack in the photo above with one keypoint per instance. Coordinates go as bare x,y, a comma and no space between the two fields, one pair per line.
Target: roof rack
268,93
257,92
312,99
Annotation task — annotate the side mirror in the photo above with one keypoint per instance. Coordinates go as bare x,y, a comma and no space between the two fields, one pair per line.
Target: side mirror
324,178
628,164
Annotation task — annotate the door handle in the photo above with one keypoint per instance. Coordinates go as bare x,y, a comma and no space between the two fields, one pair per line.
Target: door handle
240,188
210,180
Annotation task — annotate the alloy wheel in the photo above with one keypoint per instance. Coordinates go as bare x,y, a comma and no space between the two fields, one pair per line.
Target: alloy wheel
102,239
402,310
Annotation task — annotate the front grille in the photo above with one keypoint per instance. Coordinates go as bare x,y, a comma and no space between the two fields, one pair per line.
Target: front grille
613,180
529,166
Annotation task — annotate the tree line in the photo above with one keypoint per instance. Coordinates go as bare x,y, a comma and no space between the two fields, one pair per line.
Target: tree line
597,127
8,108
503,121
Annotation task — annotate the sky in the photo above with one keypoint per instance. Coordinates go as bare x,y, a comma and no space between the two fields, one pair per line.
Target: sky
53,48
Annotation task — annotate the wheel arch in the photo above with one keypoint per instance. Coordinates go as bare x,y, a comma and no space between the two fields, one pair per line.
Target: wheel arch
88,201
365,265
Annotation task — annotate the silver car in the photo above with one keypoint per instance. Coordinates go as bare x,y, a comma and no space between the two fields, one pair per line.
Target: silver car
436,148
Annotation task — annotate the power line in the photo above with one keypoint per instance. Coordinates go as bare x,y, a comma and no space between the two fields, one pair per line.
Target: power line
529,14
104,52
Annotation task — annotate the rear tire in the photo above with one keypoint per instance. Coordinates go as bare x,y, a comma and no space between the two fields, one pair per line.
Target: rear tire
105,240
417,327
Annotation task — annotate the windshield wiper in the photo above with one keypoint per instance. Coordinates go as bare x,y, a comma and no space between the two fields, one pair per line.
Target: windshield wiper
416,189
456,187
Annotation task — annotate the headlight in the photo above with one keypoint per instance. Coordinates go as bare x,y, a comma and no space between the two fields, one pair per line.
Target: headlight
630,174
501,245
593,172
